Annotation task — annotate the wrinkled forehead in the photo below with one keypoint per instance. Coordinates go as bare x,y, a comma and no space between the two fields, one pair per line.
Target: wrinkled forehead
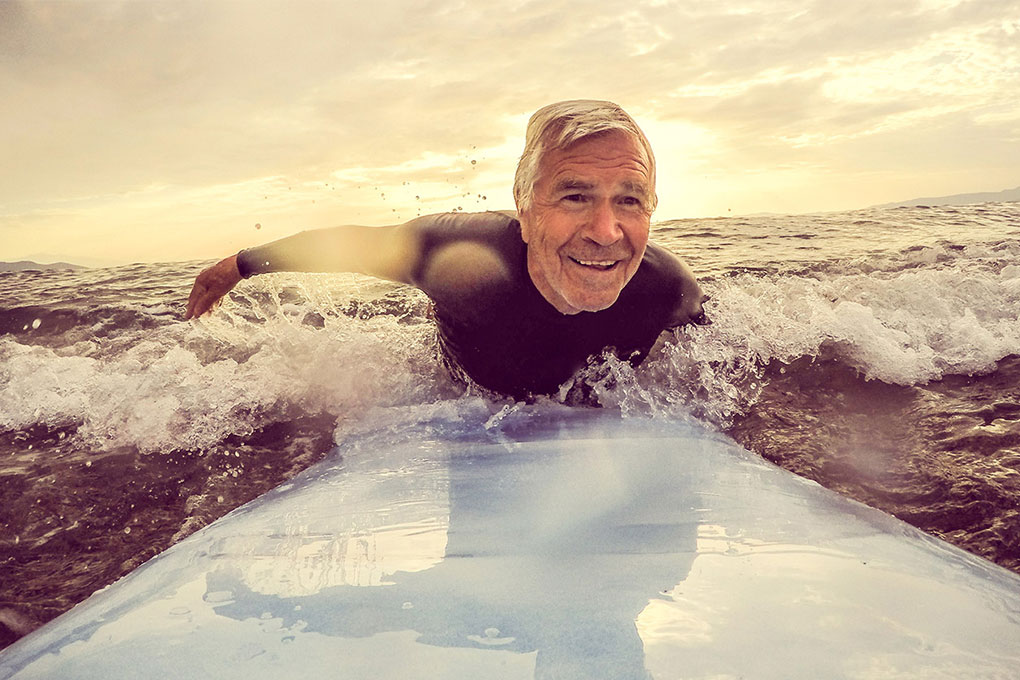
616,137
609,146
614,151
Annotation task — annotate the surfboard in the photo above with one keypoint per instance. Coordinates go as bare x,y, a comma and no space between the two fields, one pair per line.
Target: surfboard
566,543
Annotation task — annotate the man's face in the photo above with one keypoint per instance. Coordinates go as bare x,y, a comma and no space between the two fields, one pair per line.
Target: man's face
587,225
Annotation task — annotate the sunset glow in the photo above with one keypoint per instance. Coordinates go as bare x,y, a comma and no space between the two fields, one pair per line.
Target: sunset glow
161,131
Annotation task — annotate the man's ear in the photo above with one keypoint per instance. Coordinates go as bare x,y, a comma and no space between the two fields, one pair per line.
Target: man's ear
524,217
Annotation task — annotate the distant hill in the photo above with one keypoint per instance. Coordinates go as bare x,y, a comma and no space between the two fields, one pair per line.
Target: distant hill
959,199
25,265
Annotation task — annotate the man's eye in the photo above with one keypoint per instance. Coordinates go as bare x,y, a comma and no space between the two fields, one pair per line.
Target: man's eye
574,198
631,200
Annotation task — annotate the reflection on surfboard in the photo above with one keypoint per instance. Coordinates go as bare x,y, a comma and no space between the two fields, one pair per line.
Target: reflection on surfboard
551,556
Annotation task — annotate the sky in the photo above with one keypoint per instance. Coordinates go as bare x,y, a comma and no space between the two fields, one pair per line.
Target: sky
169,131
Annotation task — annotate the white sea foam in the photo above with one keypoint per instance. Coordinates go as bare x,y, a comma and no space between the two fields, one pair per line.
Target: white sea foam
365,353
191,385
905,327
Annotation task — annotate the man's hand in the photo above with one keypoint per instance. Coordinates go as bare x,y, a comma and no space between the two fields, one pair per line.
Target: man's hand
211,285
692,310
692,299
698,318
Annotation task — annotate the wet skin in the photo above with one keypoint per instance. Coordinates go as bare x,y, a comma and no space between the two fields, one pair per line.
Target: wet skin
587,225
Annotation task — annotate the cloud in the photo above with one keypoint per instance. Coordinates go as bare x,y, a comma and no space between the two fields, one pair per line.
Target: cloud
107,98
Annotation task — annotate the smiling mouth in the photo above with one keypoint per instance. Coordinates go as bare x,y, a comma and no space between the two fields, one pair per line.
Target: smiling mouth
599,265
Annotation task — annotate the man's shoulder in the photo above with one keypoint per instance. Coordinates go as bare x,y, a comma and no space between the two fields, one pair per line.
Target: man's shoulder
661,266
659,284
670,283
466,254
444,227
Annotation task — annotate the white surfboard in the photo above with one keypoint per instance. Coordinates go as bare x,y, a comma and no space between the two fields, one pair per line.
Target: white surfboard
570,544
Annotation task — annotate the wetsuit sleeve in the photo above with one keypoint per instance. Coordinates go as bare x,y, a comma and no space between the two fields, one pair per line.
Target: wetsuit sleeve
398,253
387,252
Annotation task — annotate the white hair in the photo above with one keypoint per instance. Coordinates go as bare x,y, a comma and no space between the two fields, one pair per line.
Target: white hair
559,125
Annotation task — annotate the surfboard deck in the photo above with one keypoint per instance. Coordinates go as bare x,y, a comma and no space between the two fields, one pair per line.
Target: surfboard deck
572,544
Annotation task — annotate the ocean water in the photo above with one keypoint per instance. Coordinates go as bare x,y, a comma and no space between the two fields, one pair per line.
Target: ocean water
875,351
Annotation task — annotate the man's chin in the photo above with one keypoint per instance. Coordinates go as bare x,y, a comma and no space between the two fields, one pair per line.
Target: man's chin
592,303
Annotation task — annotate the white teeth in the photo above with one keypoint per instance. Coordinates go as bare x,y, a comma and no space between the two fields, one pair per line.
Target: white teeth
596,263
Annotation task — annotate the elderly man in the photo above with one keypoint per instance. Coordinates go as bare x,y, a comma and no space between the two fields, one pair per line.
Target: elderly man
522,301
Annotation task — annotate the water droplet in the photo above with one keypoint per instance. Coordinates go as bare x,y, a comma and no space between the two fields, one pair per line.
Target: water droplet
407,605
491,638
473,162
127,530
36,324
218,597
88,463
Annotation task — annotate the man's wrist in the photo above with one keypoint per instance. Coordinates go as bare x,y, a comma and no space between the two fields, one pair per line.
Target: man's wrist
248,263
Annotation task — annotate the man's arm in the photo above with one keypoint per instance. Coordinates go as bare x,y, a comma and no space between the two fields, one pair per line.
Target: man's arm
689,307
682,287
392,253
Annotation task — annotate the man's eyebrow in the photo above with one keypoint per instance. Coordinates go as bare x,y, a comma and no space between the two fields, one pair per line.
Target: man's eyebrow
635,187
575,184
572,184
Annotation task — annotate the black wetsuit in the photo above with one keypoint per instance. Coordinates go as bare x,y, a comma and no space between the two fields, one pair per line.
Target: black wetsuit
504,334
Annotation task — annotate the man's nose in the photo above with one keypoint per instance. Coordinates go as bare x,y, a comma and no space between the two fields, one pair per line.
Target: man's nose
603,228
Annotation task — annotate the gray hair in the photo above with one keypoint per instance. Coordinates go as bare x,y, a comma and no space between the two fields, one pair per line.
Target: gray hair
559,125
